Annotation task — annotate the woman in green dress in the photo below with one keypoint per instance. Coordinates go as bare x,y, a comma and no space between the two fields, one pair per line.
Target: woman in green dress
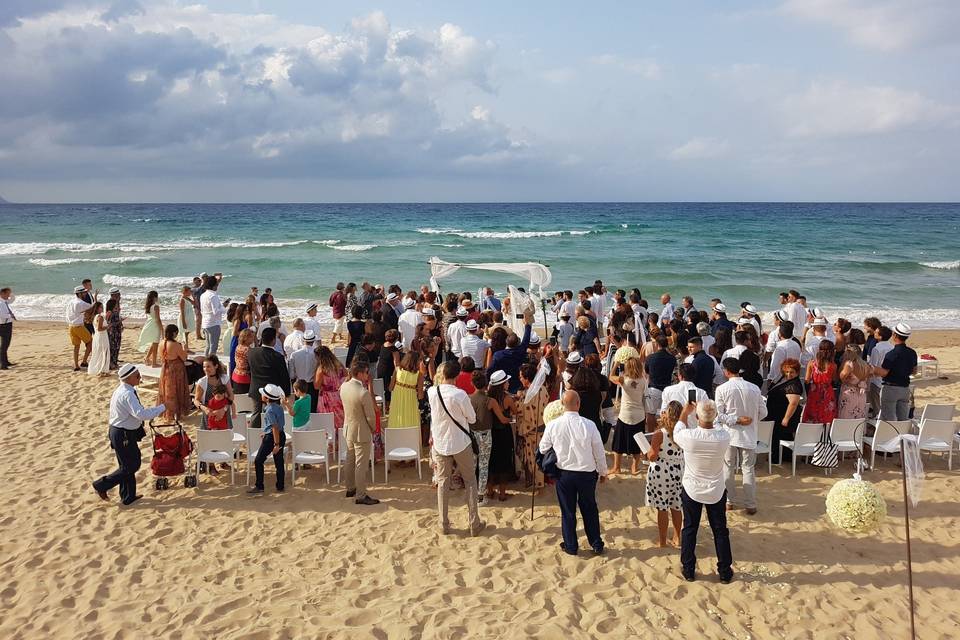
406,388
152,331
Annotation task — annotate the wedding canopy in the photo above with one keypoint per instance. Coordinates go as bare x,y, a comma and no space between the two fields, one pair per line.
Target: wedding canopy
537,274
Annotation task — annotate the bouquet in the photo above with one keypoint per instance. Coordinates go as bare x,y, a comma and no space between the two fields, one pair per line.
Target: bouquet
552,411
625,353
856,506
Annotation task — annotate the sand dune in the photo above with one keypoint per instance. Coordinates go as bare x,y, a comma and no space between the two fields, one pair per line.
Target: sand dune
309,563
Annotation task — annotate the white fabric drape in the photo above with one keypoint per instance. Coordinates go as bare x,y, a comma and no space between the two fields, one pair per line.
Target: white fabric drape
537,274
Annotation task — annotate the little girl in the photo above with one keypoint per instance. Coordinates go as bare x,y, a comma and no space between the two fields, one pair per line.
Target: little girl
219,405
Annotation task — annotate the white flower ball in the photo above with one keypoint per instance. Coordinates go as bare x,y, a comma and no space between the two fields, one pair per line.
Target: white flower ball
552,411
623,354
856,506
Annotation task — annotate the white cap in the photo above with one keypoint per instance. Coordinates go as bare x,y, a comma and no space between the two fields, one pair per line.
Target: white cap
409,303
114,290
498,378
127,370
574,358
903,330
743,321
818,313
79,289
472,325
311,307
782,315
309,335
749,308
819,322
462,313
534,339
272,391
429,312
392,296
722,308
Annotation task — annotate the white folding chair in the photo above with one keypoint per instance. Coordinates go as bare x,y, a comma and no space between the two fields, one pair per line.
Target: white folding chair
935,412
320,422
243,403
401,444
804,440
764,438
214,447
341,354
342,455
936,436
847,434
886,439
310,447
378,391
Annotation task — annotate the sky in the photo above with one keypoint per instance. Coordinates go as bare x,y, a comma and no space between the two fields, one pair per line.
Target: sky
318,101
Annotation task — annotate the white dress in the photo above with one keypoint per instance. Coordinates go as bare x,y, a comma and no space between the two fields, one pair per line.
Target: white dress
100,352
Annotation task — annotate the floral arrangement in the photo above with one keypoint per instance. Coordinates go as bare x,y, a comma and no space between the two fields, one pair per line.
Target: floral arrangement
552,411
623,354
856,506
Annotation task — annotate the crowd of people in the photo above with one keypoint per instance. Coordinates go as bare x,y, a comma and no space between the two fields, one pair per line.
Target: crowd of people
475,379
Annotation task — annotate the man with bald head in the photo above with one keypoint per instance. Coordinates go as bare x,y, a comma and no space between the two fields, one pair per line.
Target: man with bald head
580,460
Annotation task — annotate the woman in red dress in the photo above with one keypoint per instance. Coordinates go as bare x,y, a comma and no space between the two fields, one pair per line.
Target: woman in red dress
821,407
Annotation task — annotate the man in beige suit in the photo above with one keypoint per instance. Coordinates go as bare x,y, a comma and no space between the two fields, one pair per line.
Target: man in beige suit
360,421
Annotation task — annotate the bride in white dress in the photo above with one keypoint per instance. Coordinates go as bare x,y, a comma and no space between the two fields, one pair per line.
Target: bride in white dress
99,363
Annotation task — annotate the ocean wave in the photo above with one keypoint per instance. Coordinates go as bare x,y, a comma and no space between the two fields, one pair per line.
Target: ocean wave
500,235
354,247
951,264
449,246
39,248
53,262
156,282
326,242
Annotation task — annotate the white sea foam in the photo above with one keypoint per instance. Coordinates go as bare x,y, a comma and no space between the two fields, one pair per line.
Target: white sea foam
354,247
53,262
451,246
438,232
326,242
499,235
39,248
157,282
951,264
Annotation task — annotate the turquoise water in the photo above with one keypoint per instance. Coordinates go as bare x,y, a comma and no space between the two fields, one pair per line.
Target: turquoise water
901,261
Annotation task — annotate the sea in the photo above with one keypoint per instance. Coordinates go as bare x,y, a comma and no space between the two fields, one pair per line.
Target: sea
900,262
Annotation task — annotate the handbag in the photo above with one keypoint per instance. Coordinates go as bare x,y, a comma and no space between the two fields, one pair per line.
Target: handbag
825,452
474,446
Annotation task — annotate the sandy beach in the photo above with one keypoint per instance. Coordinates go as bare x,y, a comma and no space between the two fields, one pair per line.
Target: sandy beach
309,563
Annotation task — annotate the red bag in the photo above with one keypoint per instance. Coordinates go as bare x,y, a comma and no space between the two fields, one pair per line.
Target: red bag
169,453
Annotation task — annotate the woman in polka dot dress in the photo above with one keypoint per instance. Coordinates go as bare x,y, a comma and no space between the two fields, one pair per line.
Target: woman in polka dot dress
665,474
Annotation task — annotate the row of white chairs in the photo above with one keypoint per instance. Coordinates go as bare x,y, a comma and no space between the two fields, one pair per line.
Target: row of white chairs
316,443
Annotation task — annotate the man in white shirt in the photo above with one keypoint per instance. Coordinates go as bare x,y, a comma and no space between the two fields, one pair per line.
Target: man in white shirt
569,306
310,323
7,319
787,348
457,331
666,314
879,352
680,392
740,407
580,460
704,485
473,346
407,323
796,312
450,414
302,365
126,420
816,334
295,341
78,333
212,315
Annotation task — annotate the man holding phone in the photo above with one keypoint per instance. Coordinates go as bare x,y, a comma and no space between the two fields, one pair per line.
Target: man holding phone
684,392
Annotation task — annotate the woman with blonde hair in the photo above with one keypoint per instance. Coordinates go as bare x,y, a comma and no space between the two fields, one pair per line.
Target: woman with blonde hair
855,375
665,475
632,415
330,375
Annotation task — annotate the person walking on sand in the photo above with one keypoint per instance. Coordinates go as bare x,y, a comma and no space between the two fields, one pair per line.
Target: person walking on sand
360,422
7,318
126,420
581,462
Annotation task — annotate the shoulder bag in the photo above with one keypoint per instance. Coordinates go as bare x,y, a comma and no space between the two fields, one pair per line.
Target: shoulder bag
825,452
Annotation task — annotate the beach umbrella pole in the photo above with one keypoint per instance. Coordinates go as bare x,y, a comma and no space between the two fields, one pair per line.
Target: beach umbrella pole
906,520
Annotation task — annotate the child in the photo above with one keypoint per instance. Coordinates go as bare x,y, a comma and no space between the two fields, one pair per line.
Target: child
665,474
219,405
273,438
300,409
465,379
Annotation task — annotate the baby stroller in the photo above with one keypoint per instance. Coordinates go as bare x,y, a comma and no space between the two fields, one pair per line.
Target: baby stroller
170,455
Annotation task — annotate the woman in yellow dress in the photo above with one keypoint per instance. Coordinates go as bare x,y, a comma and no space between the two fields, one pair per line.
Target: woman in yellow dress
406,388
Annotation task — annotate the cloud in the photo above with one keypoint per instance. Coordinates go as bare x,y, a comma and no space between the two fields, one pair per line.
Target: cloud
700,149
643,67
886,25
161,89
834,109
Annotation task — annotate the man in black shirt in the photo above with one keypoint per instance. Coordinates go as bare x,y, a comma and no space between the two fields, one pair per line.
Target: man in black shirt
703,364
897,367
267,366
660,366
